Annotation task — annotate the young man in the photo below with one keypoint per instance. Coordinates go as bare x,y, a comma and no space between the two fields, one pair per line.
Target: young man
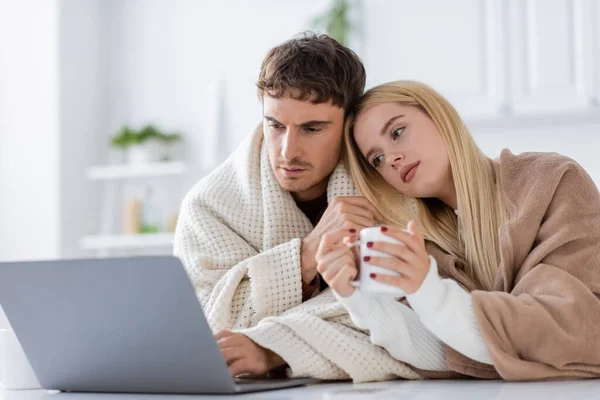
248,233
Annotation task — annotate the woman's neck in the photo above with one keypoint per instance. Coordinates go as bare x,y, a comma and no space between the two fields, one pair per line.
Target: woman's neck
448,196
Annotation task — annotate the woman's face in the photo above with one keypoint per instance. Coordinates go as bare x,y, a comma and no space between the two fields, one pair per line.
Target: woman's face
403,144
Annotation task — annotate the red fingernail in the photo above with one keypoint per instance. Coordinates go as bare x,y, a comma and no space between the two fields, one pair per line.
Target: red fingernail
367,258
383,229
372,275
352,230
369,244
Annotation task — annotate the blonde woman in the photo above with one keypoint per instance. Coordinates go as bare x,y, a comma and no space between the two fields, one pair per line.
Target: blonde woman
501,258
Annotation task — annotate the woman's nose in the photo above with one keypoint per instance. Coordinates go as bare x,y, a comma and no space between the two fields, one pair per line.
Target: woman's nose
395,159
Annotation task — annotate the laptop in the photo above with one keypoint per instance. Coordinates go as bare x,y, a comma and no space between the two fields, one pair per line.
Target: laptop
121,325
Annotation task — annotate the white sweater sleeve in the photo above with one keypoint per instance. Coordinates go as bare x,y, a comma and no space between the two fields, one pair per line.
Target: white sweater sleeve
396,328
447,310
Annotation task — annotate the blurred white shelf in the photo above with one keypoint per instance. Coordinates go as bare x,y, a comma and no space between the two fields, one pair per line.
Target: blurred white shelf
142,240
135,170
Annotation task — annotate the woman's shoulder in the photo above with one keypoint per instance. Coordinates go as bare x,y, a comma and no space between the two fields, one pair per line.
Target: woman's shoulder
534,181
535,161
532,169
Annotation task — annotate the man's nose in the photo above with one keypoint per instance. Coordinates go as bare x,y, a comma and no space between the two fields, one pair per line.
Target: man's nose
291,148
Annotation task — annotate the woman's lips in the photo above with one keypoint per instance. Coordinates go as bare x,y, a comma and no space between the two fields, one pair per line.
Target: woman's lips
408,172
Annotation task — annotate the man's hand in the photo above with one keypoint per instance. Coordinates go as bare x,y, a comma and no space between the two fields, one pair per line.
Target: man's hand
243,356
344,212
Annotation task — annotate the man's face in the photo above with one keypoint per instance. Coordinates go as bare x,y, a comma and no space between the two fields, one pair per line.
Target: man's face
304,142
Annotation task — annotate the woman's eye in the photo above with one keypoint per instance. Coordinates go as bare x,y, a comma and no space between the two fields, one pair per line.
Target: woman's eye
377,161
275,126
396,133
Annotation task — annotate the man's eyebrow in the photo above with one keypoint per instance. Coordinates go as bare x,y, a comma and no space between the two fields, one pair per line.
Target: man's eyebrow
313,123
302,125
271,119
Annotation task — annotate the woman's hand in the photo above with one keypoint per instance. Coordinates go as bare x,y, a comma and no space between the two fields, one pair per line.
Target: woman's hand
336,262
410,259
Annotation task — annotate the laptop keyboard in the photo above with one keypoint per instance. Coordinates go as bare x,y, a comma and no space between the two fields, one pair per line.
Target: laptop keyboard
248,380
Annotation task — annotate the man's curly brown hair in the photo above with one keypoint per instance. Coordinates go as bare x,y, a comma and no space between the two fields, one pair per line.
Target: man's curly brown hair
313,67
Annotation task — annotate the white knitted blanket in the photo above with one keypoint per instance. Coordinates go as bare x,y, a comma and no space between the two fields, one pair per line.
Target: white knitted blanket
239,236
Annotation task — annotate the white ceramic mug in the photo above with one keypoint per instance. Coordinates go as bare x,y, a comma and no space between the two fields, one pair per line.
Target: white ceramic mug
15,371
365,283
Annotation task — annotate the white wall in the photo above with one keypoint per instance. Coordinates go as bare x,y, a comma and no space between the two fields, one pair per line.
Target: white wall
29,130
53,112
84,96
576,139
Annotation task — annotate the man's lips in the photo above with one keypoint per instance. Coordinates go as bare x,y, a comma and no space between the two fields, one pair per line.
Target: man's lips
292,171
408,171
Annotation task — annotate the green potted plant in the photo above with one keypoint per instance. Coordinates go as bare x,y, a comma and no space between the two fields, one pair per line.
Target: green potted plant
336,21
146,145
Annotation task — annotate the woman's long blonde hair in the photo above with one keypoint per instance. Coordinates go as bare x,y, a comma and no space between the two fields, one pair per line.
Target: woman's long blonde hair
474,236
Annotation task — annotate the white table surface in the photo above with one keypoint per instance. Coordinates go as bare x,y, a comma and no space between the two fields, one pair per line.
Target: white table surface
421,390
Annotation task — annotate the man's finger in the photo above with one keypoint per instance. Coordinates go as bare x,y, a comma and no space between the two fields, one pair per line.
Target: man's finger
333,238
239,366
363,202
223,334
230,341
360,221
360,211
230,354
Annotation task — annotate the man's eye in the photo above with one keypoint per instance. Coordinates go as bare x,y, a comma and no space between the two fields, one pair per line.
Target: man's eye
312,129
